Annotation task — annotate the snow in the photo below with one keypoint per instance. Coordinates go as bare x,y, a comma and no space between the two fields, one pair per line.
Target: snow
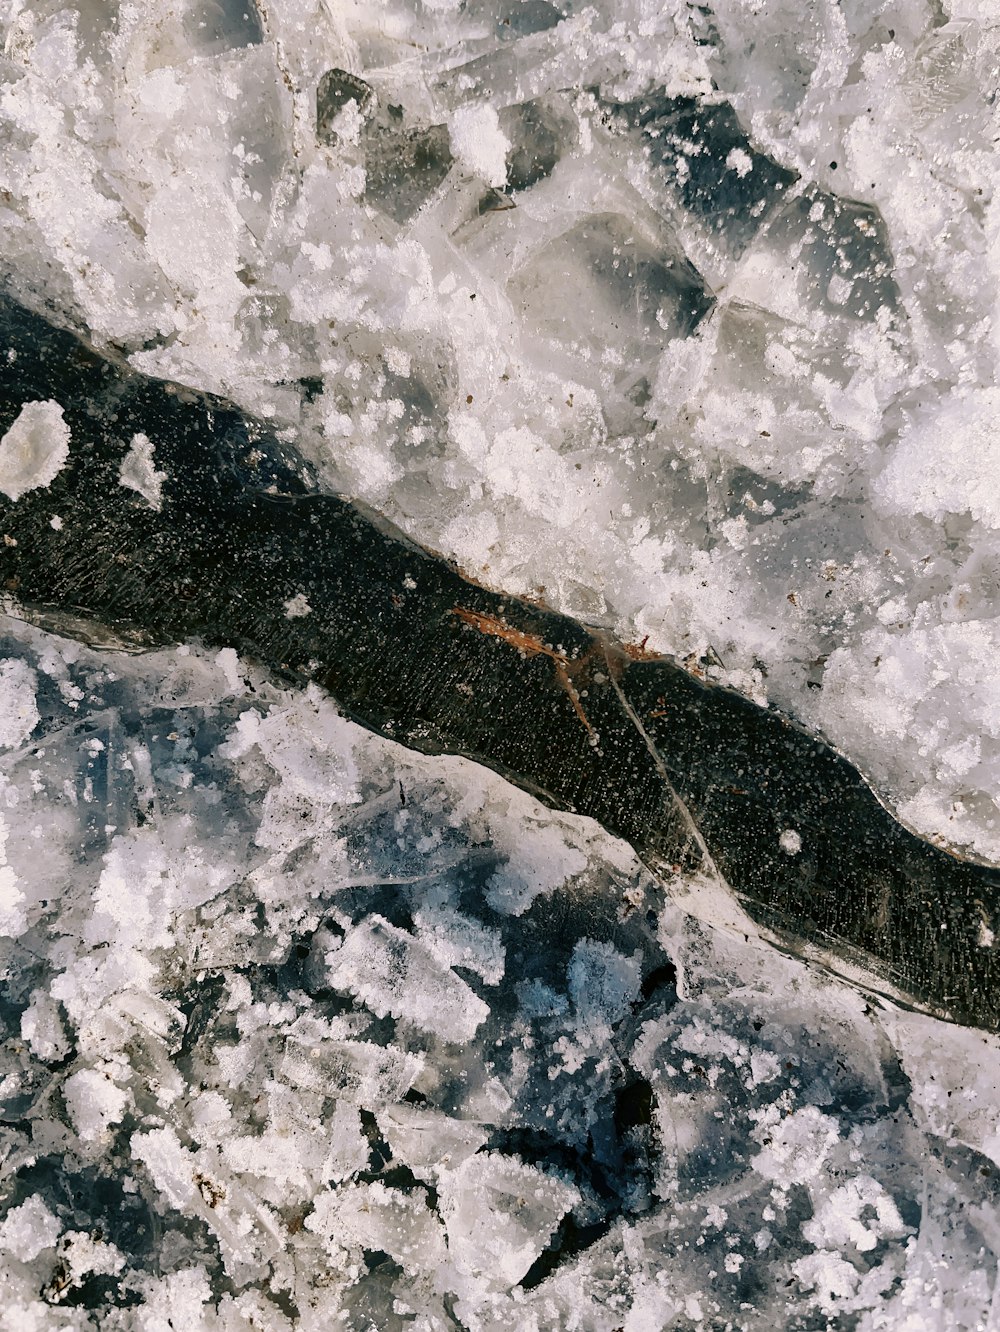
94,1102
297,606
34,449
479,143
28,1230
18,709
287,1052
138,472
354,1069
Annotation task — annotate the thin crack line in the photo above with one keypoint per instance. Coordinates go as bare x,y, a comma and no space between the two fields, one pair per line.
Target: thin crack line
687,817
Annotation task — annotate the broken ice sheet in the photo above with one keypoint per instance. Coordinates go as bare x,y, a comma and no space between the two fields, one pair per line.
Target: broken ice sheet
424,1078
770,463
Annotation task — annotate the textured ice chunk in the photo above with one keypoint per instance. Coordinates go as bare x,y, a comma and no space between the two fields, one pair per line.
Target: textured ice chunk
499,1214
29,1229
393,973
455,940
222,25
335,92
12,898
706,158
429,1141
18,708
946,460
837,1222
94,1102
616,278
478,142
537,132
602,984
34,449
381,1219
299,1151
404,167
798,1147
43,1028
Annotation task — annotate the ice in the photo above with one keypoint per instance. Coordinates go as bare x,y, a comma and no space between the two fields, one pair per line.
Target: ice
19,713
138,472
478,143
499,1215
28,1230
458,1055
34,450
94,1102
942,460
682,319
392,974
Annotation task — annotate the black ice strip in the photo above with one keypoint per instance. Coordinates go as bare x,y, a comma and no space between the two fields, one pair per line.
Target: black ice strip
239,548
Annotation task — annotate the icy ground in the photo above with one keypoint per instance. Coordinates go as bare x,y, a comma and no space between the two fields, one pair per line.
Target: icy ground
308,1031
722,376
681,316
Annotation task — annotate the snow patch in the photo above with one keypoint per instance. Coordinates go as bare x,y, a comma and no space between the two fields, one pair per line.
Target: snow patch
138,472
34,449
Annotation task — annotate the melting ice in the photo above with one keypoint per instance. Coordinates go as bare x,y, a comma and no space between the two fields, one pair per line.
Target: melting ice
681,317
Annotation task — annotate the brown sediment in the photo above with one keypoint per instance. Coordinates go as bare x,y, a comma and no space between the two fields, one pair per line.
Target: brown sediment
531,646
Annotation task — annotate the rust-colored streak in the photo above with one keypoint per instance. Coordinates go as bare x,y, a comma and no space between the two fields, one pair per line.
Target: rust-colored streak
532,646
567,684
640,652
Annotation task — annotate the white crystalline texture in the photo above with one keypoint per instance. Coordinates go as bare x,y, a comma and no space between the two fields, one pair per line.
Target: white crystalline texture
326,1064
26,1230
681,318
797,1147
18,709
947,461
94,1102
34,449
393,973
479,143
688,404
380,1218
297,606
138,472
499,1214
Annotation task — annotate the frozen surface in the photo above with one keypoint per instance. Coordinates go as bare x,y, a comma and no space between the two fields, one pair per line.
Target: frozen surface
306,1030
681,317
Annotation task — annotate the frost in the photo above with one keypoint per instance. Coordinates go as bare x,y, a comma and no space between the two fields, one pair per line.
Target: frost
297,606
94,1102
797,1147
18,710
392,973
837,1222
479,143
138,472
26,1230
682,319
34,449
379,1060
790,842
945,462
499,1215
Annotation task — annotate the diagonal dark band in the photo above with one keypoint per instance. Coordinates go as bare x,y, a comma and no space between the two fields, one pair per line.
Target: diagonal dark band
244,551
